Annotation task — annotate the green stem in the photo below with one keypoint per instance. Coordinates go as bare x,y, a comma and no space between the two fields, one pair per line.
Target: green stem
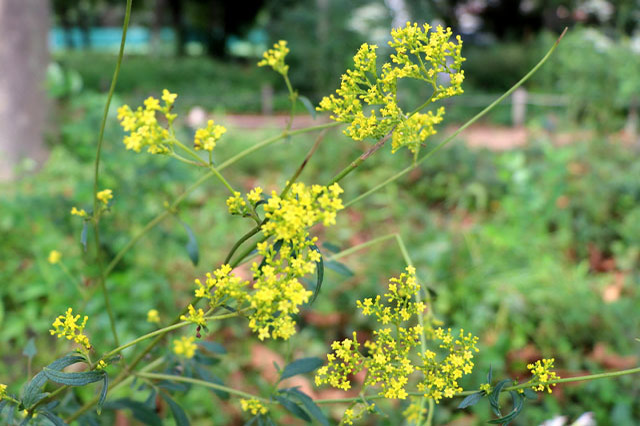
292,97
505,389
359,247
241,241
461,128
168,377
418,297
273,139
361,159
96,176
156,220
164,331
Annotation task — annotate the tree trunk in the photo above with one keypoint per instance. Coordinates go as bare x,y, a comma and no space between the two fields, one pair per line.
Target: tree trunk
24,26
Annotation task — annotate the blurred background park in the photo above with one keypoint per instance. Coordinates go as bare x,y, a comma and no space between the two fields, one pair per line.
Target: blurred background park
526,228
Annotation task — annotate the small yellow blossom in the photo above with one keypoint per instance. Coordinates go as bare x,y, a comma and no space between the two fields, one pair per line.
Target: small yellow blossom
255,195
54,257
67,326
153,316
78,212
424,54
275,57
143,126
486,387
104,196
195,316
185,346
542,373
253,406
3,391
206,138
101,365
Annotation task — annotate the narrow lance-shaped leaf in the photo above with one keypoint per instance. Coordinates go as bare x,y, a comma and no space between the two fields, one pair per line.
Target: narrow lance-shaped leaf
301,366
309,405
308,105
472,399
293,408
192,245
178,413
320,275
74,379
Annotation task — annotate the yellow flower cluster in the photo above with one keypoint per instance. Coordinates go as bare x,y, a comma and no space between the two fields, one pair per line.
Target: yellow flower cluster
541,370
289,253
253,406
356,412
415,411
185,346
54,257
67,326
78,212
368,101
101,365
275,57
288,256
3,391
206,138
104,196
221,287
143,127
195,316
441,376
390,361
153,316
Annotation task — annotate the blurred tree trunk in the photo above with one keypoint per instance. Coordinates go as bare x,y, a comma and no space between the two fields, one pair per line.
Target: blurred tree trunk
177,20
156,26
24,26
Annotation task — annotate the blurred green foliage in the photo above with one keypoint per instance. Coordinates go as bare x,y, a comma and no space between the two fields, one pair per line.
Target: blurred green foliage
507,241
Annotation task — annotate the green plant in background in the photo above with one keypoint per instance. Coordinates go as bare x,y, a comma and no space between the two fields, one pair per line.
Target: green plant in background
408,338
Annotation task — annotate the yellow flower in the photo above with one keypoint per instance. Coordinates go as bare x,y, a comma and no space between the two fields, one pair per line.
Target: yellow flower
419,54
67,326
275,57
3,391
206,138
168,97
54,257
254,406
542,373
153,316
104,196
80,212
101,365
185,347
195,316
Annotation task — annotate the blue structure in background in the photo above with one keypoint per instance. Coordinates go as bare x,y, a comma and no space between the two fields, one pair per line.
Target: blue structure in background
139,40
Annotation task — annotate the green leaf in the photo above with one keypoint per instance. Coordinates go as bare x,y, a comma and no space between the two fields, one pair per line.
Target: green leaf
103,392
31,393
57,421
192,245
490,375
140,411
320,274
30,349
530,393
3,404
518,403
308,105
83,234
472,399
213,347
301,366
178,413
339,268
331,247
309,405
495,396
293,408
74,379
